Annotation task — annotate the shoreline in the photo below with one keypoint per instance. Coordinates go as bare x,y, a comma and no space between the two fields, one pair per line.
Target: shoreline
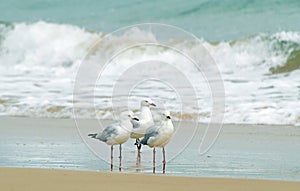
24,117
49,179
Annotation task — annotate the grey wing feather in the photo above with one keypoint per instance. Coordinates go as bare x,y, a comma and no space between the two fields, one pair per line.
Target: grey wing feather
151,132
135,124
108,132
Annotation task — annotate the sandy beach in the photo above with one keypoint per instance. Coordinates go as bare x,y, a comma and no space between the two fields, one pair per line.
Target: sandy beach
48,180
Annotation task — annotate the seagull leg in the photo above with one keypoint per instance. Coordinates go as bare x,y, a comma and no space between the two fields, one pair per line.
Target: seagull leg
139,156
164,160
154,160
120,165
111,157
138,146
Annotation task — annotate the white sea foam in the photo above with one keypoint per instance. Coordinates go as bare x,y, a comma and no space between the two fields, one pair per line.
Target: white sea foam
39,63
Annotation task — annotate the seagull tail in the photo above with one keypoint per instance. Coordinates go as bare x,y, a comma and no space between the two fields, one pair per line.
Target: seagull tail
93,135
143,141
137,142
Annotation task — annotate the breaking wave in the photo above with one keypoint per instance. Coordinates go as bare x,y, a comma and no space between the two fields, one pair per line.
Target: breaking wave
39,62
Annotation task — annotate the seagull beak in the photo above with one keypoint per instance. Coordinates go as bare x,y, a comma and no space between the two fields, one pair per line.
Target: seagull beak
169,117
153,104
135,119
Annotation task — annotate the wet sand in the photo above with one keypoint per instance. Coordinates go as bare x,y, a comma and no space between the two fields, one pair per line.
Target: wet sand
241,151
48,180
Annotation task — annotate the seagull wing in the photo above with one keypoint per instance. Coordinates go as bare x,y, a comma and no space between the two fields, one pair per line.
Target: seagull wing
109,132
135,124
151,132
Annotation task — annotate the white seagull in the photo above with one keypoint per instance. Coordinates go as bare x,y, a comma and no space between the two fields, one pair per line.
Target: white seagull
159,136
117,134
145,121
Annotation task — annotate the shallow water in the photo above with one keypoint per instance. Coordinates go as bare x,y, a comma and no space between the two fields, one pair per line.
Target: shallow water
241,151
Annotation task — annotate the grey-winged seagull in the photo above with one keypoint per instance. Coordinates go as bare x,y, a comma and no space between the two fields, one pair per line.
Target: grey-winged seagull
117,134
159,136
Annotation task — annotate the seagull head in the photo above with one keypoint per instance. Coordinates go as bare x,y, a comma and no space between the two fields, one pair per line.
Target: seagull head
147,102
166,115
132,116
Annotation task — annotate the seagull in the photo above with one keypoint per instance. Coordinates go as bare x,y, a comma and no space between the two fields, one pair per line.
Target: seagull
117,134
145,121
159,136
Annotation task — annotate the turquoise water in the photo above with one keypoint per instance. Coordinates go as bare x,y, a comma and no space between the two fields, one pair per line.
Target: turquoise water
209,19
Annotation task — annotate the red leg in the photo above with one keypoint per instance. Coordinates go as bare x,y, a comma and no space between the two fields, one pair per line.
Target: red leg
120,165
164,160
154,160
138,161
139,155
111,157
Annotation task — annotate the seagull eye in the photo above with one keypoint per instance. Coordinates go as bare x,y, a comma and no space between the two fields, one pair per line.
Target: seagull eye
146,101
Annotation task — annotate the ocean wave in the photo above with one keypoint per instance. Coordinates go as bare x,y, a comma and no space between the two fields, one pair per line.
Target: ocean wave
43,44
50,45
39,63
